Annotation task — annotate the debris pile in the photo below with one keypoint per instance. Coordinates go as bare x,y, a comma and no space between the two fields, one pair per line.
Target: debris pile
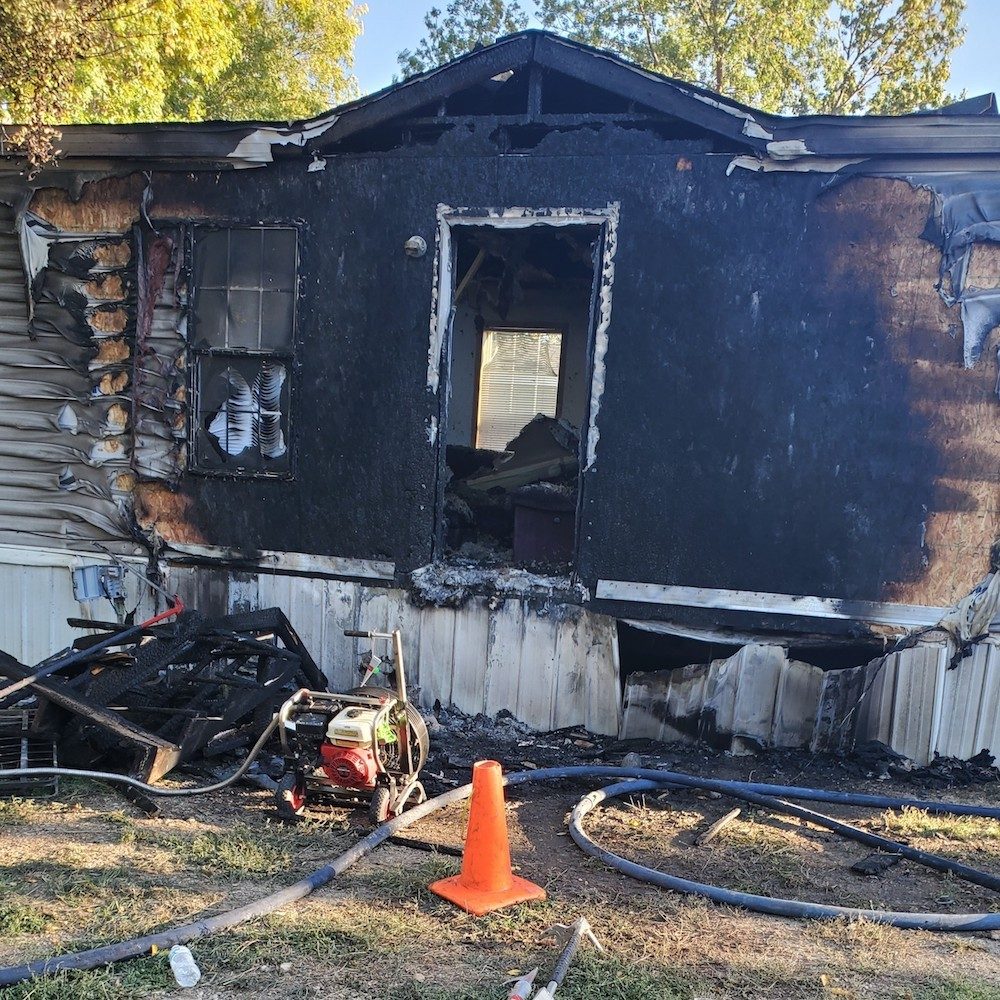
876,760
143,699
519,503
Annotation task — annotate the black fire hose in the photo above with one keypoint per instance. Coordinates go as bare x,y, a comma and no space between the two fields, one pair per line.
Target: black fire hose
97,957
785,907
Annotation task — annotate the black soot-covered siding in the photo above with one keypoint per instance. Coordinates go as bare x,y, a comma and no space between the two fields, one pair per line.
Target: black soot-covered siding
754,432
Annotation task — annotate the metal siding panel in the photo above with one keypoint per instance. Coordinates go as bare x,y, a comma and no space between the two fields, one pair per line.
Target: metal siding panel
602,707
758,675
342,603
961,703
913,709
536,684
468,681
437,653
796,704
988,724
503,657
570,696
720,694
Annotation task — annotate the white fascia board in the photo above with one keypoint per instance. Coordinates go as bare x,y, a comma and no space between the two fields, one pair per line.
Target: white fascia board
874,612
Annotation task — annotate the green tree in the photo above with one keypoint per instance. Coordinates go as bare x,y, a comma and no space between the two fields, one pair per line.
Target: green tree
459,29
883,57
791,56
170,60
756,51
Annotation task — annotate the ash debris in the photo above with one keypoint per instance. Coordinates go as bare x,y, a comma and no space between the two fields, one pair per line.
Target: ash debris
876,760
452,584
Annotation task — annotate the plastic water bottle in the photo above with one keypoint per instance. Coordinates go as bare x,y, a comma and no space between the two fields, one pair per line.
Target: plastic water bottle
184,967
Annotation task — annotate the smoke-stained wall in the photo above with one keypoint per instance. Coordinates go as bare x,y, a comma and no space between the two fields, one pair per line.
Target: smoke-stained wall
784,408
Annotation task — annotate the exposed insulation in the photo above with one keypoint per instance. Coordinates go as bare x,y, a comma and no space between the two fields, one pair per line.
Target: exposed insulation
108,320
110,351
983,270
110,205
106,288
169,512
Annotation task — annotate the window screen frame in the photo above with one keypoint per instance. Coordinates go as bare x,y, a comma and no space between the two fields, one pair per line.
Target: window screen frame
285,355
515,328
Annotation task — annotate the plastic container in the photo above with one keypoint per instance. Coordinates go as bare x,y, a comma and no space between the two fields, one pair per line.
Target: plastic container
184,967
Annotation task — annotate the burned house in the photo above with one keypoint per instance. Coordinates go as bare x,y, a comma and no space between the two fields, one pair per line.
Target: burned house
634,407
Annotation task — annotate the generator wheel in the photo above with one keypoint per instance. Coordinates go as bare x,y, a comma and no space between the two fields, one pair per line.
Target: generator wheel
290,798
378,808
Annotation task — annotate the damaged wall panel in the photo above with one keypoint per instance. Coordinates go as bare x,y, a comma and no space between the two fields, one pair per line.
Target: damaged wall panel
757,697
772,369
551,666
920,707
741,391
65,370
880,223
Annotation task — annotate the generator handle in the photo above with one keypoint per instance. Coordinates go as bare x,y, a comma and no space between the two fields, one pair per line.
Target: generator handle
356,634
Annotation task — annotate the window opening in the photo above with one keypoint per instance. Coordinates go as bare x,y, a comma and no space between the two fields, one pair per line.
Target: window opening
518,393
242,340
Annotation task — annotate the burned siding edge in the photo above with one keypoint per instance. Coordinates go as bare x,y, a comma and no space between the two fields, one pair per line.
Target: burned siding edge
282,562
871,612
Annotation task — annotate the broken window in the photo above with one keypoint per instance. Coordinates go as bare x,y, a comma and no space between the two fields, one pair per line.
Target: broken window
242,339
518,392
518,377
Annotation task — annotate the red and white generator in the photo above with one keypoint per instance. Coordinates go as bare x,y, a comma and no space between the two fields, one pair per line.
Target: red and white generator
365,747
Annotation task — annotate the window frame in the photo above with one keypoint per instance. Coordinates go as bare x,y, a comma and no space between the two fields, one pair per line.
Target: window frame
514,328
285,356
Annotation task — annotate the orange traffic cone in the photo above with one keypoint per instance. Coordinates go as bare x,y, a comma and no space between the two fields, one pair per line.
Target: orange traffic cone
487,882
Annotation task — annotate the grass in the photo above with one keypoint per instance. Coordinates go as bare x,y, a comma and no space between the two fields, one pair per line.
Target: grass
409,882
15,812
956,989
614,977
378,934
922,825
17,917
127,981
241,850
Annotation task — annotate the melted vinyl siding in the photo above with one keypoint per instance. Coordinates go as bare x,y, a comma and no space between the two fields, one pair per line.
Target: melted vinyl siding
53,372
160,385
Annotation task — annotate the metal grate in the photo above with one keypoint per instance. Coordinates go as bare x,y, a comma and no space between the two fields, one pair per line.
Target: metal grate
20,747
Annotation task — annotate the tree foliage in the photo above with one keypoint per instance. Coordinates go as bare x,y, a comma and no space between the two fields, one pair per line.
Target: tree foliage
171,60
459,29
792,56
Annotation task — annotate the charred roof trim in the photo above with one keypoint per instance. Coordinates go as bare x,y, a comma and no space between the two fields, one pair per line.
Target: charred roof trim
971,126
548,51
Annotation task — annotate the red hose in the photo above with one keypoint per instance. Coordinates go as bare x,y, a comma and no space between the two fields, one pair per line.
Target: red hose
175,609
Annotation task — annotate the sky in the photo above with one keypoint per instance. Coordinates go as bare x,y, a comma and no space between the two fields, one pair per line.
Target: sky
392,25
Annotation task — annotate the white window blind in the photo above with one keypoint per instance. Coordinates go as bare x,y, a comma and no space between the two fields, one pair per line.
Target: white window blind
518,378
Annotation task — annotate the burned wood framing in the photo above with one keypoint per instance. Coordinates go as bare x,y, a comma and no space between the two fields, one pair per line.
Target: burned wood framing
160,697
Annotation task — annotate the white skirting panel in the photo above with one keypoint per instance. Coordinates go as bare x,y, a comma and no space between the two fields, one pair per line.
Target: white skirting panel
921,708
555,669
756,695
551,670
36,598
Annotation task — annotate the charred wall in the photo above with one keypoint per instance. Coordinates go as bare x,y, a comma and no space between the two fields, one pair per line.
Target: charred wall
784,407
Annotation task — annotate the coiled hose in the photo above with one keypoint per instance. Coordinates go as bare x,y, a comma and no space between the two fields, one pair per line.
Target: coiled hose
757,793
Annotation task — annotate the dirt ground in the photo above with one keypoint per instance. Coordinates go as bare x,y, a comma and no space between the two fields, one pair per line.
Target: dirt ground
88,867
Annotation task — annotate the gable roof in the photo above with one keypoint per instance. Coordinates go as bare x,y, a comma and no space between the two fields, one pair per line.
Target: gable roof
970,127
